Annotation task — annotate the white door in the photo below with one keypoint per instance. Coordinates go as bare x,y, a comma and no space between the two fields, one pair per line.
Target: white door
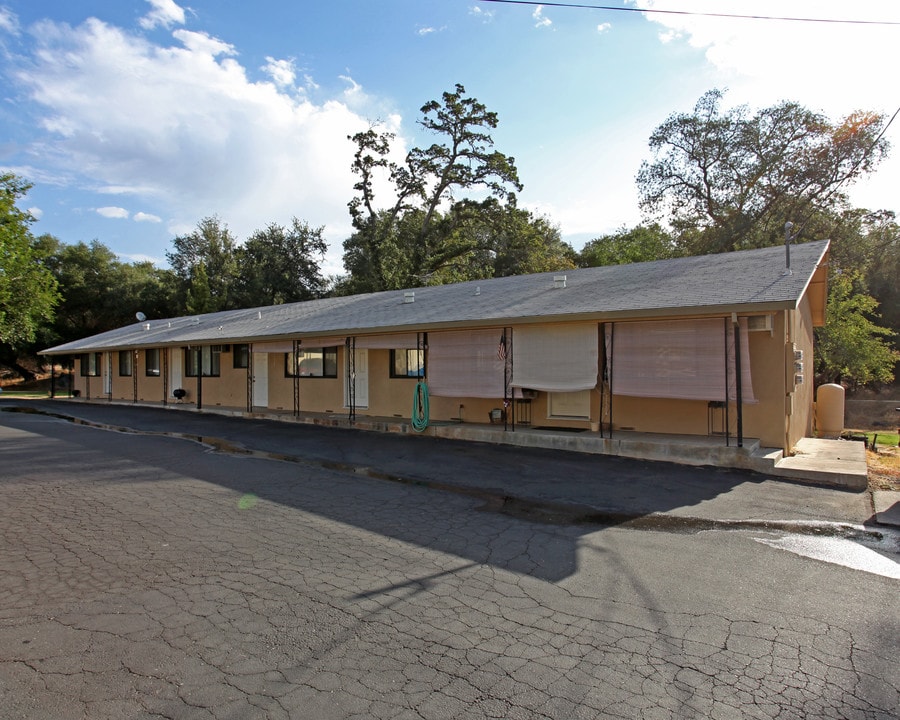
360,380
107,373
176,368
260,380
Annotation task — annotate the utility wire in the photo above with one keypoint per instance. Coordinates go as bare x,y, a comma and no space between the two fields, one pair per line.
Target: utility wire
687,12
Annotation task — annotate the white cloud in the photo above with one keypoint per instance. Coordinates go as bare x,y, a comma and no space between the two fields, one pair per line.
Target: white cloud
539,19
282,72
35,212
113,212
165,13
426,31
604,27
141,258
9,22
202,44
484,15
146,217
775,57
183,125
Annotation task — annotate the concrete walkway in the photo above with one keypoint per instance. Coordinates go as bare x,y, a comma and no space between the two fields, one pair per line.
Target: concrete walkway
538,482
835,463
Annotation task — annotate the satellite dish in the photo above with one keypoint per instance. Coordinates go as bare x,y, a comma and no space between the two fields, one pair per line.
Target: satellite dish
140,316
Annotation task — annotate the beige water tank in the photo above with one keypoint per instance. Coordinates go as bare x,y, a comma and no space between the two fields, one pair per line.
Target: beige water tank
830,410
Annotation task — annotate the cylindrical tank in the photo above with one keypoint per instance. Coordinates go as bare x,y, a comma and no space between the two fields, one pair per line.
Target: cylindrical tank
830,410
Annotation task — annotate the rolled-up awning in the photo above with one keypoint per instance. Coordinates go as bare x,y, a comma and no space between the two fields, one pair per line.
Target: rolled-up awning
557,358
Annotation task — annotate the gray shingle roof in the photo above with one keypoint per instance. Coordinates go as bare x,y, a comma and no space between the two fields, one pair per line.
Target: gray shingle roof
748,280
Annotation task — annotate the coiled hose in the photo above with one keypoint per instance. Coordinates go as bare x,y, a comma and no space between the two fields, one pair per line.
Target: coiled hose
419,418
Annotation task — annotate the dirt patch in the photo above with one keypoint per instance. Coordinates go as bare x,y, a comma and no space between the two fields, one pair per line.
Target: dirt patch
884,468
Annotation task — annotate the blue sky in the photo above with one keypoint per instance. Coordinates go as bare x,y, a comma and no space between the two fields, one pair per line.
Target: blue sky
134,119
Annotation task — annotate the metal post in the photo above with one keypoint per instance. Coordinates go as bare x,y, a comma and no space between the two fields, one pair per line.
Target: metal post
509,394
199,378
350,348
295,371
737,382
612,354
250,379
603,376
165,375
727,390
134,374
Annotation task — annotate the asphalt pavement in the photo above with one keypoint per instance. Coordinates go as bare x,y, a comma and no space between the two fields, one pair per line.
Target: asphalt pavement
545,485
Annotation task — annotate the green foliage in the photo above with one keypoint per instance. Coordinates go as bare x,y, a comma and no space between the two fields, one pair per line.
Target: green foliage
28,291
413,241
639,244
199,298
281,265
99,292
728,180
477,240
212,248
851,347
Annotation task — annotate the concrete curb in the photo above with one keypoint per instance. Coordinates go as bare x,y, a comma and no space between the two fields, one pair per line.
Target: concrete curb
526,508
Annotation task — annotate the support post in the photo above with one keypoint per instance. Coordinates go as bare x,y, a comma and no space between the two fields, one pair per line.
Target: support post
199,378
295,371
612,354
350,345
737,380
250,379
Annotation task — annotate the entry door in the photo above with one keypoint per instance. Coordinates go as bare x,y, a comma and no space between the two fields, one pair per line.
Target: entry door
361,383
176,368
107,373
260,380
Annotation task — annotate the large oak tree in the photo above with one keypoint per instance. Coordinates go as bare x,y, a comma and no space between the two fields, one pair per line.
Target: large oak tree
731,179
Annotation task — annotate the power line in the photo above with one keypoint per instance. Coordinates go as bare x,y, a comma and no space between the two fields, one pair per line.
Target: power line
697,14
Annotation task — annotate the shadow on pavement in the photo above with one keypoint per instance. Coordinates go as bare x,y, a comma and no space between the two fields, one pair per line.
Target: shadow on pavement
569,494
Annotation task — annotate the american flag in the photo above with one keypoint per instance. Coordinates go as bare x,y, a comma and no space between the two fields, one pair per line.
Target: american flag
501,348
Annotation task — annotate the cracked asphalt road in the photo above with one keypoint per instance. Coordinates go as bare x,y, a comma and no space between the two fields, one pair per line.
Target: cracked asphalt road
147,577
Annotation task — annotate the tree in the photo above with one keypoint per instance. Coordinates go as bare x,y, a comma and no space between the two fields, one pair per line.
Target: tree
730,180
281,265
851,348
211,246
28,290
639,244
99,292
493,239
399,246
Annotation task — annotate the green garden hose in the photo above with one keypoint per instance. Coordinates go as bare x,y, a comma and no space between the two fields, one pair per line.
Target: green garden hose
420,407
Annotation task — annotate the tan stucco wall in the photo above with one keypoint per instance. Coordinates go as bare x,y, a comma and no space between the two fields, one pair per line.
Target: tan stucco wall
771,358
800,423
764,420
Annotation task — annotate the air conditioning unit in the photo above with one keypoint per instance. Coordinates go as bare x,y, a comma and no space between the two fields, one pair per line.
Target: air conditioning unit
759,323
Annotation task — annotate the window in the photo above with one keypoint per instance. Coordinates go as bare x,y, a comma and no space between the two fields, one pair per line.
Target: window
151,358
126,363
90,365
572,405
311,362
202,361
241,357
407,363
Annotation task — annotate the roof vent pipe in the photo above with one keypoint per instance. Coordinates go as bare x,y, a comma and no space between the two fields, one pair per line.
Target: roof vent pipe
559,281
787,247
